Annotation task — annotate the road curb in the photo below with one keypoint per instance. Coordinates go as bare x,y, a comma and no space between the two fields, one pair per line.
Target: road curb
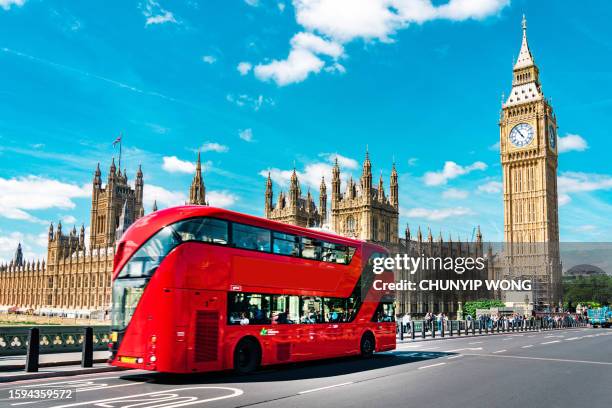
31,376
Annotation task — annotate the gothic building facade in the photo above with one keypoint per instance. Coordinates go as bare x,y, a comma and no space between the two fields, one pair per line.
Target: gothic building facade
361,210
75,276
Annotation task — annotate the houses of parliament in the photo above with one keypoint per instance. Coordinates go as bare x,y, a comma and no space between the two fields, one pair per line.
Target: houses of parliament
76,277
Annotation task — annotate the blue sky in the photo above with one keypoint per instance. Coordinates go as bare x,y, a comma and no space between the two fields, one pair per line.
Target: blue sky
261,84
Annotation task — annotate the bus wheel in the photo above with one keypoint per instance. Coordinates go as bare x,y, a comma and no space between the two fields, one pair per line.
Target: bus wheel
367,345
247,356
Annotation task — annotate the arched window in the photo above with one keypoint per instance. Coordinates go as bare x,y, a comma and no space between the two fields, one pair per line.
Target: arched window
350,225
375,229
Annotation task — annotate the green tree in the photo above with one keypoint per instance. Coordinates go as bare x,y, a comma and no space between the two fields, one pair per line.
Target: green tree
587,289
470,307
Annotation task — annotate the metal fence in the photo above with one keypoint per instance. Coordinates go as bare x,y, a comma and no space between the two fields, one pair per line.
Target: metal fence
53,339
423,329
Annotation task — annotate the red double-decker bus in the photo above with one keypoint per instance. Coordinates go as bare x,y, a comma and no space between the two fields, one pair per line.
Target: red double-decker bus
199,288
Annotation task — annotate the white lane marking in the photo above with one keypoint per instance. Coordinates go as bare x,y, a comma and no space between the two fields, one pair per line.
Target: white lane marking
528,346
551,342
431,348
432,365
476,342
457,356
162,396
499,351
325,388
541,358
509,338
460,349
572,338
411,345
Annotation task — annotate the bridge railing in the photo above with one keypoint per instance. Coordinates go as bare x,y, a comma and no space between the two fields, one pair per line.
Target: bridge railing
52,339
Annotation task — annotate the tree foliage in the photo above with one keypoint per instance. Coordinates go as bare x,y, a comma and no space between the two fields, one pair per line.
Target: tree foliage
588,289
470,307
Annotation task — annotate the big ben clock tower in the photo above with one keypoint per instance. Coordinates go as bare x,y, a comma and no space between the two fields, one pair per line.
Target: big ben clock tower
528,146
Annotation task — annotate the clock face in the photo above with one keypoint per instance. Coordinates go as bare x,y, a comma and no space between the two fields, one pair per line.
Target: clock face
552,136
521,135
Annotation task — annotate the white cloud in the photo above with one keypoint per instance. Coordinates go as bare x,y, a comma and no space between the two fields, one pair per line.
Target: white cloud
413,161
491,187
436,214
450,171
281,6
563,199
246,135
214,147
165,198
244,67
6,4
22,194
586,228
571,142
69,219
343,161
302,60
494,147
455,194
255,103
221,198
577,182
337,22
252,3
309,177
156,14
173,164
209,59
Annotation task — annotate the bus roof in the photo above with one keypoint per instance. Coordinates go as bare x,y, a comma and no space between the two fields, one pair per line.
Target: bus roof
143,228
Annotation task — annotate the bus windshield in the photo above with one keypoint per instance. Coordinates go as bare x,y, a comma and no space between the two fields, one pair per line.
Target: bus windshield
134,276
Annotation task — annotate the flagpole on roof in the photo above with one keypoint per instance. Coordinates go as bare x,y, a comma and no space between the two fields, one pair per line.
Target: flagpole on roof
120,137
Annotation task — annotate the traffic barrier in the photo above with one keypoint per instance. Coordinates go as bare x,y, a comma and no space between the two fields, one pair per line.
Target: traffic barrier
442,329
32,355
87,354
466,328
412,333
433,329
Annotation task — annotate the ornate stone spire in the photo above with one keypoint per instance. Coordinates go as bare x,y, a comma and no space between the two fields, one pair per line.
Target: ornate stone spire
525,59
197,191
18,259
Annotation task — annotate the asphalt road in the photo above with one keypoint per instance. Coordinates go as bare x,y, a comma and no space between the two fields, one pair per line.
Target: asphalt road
565,368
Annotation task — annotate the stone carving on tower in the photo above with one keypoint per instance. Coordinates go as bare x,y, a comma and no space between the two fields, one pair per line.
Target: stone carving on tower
528,147
293,208
363,211
197,191
108,203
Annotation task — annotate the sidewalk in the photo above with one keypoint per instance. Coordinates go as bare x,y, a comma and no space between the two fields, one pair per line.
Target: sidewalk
52,365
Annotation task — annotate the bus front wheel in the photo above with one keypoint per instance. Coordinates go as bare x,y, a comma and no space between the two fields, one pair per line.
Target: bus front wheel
247,356
367,345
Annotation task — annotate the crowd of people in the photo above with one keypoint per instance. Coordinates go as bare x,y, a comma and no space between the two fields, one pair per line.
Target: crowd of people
492,321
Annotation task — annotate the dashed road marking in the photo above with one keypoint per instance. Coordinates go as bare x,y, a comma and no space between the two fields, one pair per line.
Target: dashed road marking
476,342
457,356
551,342
572,338
432,365
528,346
499,351
326,388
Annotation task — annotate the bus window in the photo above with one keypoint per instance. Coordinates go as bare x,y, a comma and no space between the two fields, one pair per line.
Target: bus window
311,248
146,260
203,229
384,313
311,310
248,308
249,237
337,253
335,310
285,244
285,309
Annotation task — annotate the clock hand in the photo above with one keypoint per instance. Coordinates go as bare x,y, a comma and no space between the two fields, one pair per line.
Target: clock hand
522,135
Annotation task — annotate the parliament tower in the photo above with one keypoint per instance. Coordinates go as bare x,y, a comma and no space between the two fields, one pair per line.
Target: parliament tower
528,147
